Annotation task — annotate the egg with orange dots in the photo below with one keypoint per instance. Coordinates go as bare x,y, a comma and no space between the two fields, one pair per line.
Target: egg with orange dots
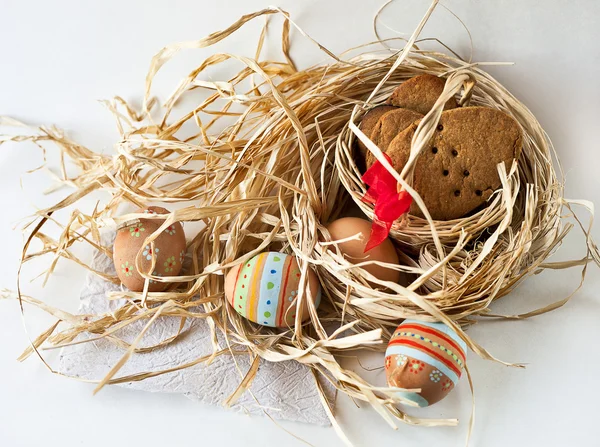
265,289
354,249
167,253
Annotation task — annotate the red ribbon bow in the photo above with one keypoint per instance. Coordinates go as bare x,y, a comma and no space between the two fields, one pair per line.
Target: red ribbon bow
389,203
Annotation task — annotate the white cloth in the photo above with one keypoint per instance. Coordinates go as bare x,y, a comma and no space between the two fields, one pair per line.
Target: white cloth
286,390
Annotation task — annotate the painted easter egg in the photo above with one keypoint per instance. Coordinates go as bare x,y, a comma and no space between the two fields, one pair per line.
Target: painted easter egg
265,289
169,251
429,356
354,250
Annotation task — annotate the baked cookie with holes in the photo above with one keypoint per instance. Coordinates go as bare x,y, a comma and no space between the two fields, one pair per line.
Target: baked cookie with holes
391,124
457,171
368,123
420,94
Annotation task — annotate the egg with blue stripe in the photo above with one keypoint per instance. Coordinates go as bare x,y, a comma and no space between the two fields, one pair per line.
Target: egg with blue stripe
427,356
265,289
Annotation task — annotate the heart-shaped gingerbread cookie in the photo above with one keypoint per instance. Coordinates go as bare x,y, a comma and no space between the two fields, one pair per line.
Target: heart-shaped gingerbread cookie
367,124
391,124
420,94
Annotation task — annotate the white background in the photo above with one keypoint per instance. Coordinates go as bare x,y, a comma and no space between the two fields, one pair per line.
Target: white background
58,58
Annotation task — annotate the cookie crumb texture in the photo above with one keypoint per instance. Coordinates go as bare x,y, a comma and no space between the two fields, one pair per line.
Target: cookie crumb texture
457,172
420,94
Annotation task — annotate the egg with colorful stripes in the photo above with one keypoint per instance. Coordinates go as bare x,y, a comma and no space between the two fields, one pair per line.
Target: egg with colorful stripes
429,356
265,289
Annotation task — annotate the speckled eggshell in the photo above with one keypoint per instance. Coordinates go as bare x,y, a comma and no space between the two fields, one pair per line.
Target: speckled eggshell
429,356
264,289
169,250
354,250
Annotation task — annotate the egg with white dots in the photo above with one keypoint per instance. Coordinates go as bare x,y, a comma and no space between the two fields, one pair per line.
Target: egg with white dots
265,289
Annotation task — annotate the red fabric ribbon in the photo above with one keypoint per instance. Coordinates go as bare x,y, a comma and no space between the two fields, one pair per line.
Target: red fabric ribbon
389,203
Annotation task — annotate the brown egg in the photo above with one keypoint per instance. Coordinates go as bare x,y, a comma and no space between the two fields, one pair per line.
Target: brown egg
353,250
169,250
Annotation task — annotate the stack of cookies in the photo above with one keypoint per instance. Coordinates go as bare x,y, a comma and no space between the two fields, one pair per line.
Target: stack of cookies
456,173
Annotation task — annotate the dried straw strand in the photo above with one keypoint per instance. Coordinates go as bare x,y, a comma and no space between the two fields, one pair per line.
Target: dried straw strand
269,163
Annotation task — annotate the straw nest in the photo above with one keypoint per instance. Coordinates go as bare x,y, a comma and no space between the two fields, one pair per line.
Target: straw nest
264,160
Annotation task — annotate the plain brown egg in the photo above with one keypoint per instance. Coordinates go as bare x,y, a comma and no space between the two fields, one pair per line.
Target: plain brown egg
169,250
353,250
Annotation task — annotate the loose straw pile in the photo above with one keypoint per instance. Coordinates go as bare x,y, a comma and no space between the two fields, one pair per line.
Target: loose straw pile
267,165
